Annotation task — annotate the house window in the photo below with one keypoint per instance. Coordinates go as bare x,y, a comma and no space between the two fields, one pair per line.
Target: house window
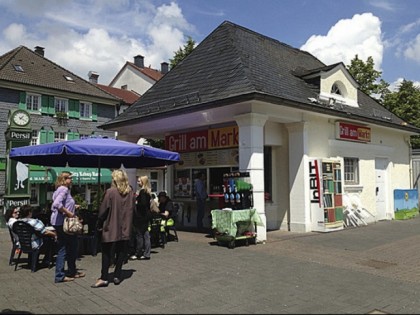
35,137
351,171
18,68
268,170
33,102
335,89
85,110
61,105
59,136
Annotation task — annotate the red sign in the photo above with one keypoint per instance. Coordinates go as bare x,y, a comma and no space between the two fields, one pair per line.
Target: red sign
346,131
218,138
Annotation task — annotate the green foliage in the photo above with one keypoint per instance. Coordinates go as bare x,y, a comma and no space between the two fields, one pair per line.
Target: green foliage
367,77
182,52
405,103
156,143
80,201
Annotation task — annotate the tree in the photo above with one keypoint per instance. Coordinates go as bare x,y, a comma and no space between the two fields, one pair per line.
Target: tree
367,77
182,52
405,103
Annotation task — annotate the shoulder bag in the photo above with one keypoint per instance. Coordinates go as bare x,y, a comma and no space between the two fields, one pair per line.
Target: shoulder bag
72,226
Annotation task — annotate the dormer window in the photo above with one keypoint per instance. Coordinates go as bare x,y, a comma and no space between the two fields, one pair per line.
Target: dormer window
335,89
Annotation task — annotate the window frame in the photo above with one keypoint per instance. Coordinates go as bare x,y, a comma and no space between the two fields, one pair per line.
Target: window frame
30,100
351,171
59,103
82,110
58,136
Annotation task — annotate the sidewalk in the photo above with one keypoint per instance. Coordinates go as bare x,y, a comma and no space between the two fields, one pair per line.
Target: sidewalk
354,271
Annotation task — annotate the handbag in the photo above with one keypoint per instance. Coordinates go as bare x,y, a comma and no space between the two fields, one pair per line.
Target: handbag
72,226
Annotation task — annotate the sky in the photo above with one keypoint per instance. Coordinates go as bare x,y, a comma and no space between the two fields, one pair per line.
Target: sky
102,35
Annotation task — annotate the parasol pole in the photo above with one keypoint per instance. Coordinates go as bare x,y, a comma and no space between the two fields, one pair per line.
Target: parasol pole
98,195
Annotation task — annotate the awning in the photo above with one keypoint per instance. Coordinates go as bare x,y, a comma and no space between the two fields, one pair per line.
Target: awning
80,175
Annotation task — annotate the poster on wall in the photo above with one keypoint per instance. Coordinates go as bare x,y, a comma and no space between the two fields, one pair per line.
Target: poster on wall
182,184
406,203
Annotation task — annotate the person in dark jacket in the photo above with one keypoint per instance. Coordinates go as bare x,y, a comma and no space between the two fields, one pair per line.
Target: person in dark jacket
142,219
115,219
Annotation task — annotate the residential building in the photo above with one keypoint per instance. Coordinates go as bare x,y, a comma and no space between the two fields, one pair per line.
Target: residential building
62,106
261,107
134,76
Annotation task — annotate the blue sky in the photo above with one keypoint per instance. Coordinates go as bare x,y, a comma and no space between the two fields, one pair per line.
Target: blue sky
101,35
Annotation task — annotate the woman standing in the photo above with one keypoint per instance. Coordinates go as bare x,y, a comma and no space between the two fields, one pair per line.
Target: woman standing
141,220
64,206
115,220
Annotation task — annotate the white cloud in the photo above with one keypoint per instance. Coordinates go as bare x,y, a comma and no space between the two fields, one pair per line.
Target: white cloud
413,50
359,35
94,35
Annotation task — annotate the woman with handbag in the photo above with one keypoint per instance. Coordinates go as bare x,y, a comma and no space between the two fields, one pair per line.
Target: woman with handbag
63,206
115,221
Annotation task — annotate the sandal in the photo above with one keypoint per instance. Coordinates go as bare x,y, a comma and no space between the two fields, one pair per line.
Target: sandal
100,284
67,279
79,275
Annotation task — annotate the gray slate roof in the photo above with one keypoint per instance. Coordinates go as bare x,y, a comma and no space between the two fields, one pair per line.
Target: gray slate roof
234,64
41,72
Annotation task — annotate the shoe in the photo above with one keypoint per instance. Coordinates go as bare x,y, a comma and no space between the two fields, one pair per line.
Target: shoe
67,279
134,257
144,258
117,281
79,275
100,284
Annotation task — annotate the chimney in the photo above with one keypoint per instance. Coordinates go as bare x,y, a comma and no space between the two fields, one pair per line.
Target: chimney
139,61
93,77
39,50
164,67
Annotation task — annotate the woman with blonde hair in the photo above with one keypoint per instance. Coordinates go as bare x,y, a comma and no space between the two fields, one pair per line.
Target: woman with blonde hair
141,220
63,205
115,219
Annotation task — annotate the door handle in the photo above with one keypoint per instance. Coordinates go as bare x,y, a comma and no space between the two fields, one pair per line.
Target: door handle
377,190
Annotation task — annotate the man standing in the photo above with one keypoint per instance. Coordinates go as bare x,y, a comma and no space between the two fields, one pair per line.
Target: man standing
200,196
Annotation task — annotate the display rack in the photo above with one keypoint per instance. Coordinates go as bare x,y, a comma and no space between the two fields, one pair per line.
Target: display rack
327,195
237,221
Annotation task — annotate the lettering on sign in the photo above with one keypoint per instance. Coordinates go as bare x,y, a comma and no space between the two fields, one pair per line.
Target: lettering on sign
314,182
186,142
223,137
352,132
18,135
11,203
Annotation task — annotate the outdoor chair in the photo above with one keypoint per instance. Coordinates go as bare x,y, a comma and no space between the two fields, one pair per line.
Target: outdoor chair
15,247
25,231
157,232
171,224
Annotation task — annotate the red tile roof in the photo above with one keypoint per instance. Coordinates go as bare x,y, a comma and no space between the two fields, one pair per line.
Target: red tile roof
129,97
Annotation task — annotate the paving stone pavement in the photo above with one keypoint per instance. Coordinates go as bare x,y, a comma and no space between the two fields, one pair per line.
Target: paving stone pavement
371,269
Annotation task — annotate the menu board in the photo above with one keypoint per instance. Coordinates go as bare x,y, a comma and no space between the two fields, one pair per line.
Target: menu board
226,157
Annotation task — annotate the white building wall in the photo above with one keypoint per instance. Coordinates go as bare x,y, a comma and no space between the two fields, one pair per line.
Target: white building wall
289,208
135,81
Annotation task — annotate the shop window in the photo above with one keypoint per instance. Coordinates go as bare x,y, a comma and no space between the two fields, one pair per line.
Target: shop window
34,194
154,181
351,171
268,174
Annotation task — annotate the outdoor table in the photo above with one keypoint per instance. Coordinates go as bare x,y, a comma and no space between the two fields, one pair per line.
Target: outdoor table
232,225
